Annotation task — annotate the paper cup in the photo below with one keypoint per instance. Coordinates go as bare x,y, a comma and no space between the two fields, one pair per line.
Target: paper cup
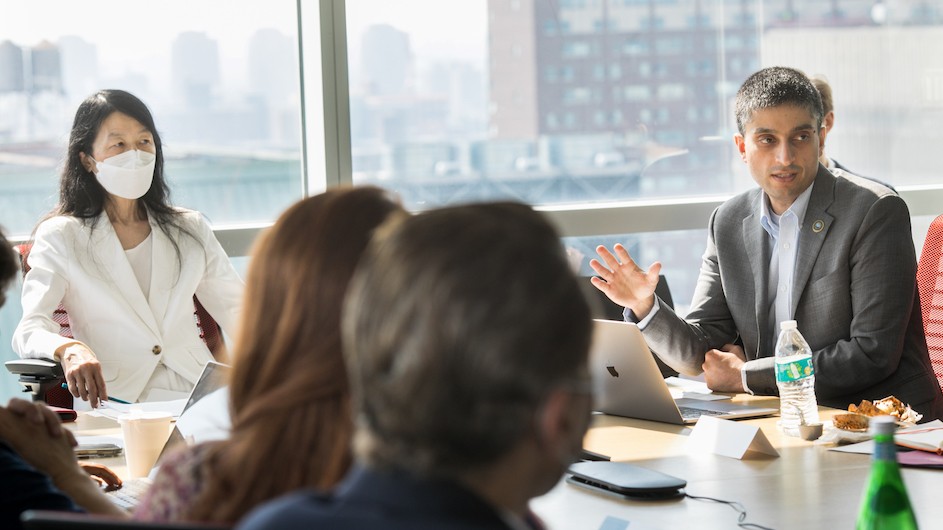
145,434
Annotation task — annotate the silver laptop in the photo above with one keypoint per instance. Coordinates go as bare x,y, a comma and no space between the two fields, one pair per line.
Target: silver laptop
213,377
627,382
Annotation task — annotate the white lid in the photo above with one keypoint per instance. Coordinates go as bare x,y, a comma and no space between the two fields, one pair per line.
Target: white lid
788,324
141,415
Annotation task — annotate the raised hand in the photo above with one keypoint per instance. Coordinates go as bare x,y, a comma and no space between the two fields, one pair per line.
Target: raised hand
624,282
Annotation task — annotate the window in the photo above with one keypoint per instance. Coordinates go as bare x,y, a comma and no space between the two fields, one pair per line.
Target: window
446,102
225,98
668,112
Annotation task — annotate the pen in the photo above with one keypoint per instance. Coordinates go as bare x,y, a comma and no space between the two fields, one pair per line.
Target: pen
116,400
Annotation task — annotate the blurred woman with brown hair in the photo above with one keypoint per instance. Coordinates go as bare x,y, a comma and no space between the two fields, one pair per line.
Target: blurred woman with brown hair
291,424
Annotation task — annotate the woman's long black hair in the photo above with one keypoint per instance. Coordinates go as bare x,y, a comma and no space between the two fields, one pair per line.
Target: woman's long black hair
81,195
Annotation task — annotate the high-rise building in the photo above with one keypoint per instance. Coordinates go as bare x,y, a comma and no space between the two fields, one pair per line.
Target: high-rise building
11,67
45,68
80,75
660,76
387,64
195,68
272,68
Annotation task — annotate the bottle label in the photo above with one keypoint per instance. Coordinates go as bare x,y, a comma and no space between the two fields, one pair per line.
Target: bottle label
794,370
886,451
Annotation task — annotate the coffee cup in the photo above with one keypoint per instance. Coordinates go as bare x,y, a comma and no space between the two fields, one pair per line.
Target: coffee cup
145,434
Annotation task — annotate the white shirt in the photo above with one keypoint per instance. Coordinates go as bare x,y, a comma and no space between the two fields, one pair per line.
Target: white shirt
140,259
783,231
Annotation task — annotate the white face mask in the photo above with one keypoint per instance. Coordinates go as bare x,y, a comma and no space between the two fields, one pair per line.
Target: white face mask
127,175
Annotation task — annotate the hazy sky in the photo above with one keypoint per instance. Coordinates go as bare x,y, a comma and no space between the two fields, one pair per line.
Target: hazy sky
430,23
135,36
127,27
124,25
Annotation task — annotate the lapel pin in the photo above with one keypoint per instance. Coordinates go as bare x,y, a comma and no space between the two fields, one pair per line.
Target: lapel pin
818,226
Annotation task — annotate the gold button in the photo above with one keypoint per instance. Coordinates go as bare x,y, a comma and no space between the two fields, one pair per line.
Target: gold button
156,349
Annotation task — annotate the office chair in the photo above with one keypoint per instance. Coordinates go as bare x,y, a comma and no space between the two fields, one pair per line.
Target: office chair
930,284
43,378
602,307
56,520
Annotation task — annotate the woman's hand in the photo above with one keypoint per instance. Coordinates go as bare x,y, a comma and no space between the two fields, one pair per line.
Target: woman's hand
30,433
33,431
103,475
83,373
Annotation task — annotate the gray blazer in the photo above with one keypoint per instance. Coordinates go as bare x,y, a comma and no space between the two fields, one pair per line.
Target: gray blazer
854,294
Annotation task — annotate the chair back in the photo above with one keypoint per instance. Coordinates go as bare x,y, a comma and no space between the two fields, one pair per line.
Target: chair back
930,284
56,520
55,395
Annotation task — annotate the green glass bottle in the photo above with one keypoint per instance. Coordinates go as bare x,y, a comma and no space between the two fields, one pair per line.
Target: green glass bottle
885,504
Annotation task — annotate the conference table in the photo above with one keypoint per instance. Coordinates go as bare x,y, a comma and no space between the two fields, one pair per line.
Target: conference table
808,486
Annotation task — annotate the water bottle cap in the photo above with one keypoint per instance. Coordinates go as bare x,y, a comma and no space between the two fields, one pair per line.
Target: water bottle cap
788,324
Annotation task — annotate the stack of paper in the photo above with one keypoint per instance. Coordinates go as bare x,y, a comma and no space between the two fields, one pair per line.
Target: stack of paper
113,409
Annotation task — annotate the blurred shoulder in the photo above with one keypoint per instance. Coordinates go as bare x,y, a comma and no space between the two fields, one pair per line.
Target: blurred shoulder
865,187
300,510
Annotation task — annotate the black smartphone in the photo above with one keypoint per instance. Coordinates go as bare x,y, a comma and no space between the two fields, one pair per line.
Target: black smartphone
98,450
625,481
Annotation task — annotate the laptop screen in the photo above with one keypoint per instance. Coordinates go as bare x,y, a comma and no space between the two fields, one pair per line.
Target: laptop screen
212,380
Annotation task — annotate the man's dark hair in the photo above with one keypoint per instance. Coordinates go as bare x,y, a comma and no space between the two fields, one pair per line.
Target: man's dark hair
776,86
458,323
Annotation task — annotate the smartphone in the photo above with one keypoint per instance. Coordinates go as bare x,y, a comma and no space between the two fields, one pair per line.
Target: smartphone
625,481
100,450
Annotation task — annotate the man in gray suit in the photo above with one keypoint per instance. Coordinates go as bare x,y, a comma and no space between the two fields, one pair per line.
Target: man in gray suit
831,252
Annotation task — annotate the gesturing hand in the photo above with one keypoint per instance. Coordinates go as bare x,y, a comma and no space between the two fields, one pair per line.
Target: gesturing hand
624,282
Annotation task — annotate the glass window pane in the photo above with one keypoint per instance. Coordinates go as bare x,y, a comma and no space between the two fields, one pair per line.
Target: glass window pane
568,102
679,251
220,77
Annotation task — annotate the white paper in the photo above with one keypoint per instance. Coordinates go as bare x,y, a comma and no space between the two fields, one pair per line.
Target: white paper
863,448
728,438
929,434
113,409
687,385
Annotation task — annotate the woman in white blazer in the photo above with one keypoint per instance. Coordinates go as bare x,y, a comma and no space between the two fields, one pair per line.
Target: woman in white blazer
125,264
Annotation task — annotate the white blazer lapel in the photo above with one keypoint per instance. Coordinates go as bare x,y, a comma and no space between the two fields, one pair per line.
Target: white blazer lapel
113,262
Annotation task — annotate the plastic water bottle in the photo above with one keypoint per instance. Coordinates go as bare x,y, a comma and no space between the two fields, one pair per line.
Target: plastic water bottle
885,503
795,378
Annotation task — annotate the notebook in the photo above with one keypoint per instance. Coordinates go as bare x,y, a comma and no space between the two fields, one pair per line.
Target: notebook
213,378
627,382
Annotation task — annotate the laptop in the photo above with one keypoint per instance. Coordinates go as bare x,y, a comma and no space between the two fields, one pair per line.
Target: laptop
213,378
627,382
